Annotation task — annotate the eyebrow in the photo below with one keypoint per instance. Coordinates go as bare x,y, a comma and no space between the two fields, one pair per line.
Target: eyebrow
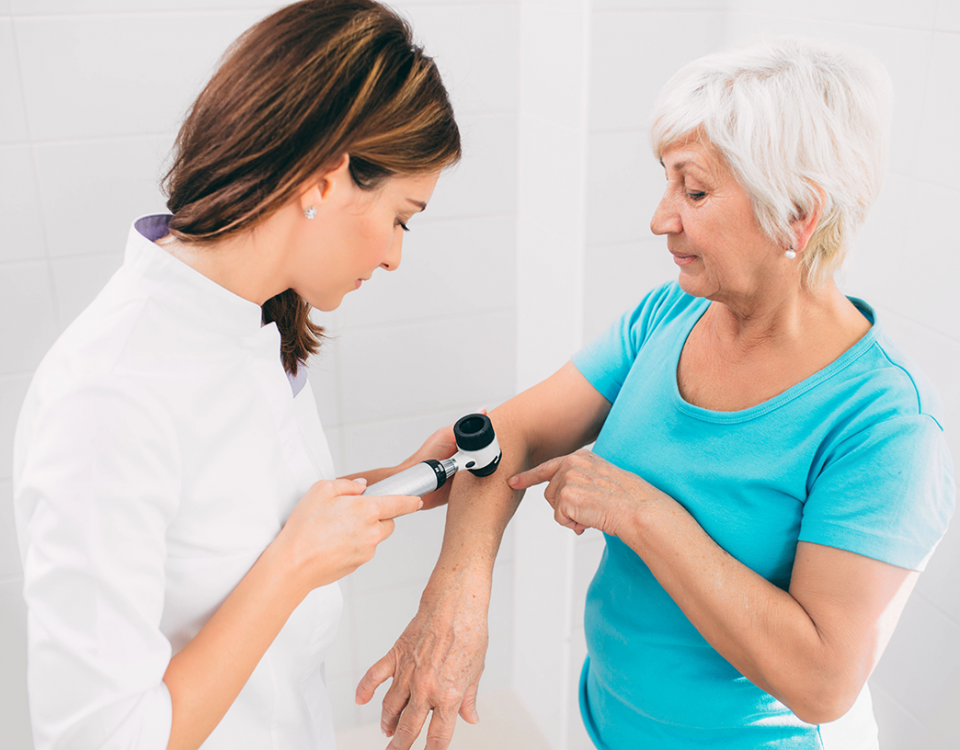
421,204
684,163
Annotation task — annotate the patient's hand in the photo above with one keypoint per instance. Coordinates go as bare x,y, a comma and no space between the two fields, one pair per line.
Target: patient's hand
435,664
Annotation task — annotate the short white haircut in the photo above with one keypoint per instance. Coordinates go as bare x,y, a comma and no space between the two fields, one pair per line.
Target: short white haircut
791,118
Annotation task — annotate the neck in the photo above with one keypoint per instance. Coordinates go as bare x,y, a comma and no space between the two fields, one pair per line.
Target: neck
785,319
247,264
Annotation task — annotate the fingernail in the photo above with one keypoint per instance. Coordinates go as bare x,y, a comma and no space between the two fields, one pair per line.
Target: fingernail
361,480
420,506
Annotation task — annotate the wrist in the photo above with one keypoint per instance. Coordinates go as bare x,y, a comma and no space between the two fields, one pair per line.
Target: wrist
286,570
651,519
460,585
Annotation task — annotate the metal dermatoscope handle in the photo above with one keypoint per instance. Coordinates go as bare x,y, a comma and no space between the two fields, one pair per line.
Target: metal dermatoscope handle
477,451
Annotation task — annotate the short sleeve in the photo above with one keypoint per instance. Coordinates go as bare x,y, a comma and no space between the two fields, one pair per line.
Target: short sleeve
96,486
606,361
886,492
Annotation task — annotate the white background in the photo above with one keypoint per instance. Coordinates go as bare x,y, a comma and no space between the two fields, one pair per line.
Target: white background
529,248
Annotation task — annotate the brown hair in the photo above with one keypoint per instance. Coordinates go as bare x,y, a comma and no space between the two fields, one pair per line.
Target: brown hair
305,85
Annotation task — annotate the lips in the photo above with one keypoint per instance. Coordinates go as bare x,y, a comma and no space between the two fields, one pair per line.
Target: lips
681,260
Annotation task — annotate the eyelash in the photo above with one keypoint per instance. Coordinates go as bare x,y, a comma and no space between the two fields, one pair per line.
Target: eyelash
403,226
696,196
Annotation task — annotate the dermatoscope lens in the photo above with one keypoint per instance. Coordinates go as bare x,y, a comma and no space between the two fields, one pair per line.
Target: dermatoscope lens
475,435
473,432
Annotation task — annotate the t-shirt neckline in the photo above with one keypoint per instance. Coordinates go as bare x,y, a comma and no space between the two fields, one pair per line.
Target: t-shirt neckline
781,399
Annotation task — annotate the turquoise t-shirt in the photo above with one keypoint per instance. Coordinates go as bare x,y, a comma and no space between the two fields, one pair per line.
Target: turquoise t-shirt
852,457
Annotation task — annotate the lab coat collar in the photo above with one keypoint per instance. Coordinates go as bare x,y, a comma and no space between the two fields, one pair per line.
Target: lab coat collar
174,282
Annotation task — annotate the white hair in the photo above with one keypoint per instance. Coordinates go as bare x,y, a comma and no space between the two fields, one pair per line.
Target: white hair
800,123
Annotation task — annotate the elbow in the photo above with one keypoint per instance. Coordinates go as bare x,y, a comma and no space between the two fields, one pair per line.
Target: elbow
819,714
823,703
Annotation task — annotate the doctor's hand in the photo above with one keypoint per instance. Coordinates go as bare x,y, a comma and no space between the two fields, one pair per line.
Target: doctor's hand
435,664
334,529
440,445
587,492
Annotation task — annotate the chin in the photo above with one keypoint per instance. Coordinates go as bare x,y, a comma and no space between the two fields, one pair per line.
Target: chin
689,285
327,303
328,306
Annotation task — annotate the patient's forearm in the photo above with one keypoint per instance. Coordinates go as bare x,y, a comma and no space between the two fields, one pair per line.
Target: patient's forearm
557,416
480,507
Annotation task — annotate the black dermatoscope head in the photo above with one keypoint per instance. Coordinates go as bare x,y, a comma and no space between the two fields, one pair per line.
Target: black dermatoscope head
474,434
477,451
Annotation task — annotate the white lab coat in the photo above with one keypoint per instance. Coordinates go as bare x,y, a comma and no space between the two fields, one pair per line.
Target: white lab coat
159,451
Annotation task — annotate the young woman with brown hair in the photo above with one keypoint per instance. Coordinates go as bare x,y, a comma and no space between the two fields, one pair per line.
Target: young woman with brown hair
181,526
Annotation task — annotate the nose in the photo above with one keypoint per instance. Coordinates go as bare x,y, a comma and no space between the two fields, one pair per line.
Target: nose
666,219
392,261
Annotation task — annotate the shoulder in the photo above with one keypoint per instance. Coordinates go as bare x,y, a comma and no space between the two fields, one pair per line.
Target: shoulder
99,371
898,374
607,360
97,343
882,484
884,383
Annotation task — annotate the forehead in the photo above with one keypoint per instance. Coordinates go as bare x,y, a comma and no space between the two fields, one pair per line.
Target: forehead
411,185
692,155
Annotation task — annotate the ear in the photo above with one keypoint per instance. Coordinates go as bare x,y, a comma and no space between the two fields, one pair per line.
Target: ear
320,187
804,226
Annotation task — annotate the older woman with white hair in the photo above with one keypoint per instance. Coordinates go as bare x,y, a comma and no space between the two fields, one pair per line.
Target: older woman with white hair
769,469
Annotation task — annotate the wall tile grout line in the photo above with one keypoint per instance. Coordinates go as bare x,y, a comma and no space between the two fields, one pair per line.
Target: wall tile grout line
888,311
7,264
95,14
187,11
10,377
949,617
51,286
836,22
88,140
893,699
391,325
465,408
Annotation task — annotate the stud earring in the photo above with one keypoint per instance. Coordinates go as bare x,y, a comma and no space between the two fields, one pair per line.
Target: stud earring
310,212
790,253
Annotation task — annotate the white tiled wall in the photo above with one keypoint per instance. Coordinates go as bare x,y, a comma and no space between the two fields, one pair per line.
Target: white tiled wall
554,45
529,248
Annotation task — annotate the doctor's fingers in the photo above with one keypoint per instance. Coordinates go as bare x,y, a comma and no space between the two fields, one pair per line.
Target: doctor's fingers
337,487
391,506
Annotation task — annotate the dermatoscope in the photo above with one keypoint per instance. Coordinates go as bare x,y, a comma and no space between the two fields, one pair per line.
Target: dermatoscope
477,452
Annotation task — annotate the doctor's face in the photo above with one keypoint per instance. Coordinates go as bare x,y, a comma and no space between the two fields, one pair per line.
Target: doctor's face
354,233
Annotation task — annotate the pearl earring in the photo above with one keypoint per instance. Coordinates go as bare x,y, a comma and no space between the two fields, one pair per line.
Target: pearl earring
790,253
310,212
